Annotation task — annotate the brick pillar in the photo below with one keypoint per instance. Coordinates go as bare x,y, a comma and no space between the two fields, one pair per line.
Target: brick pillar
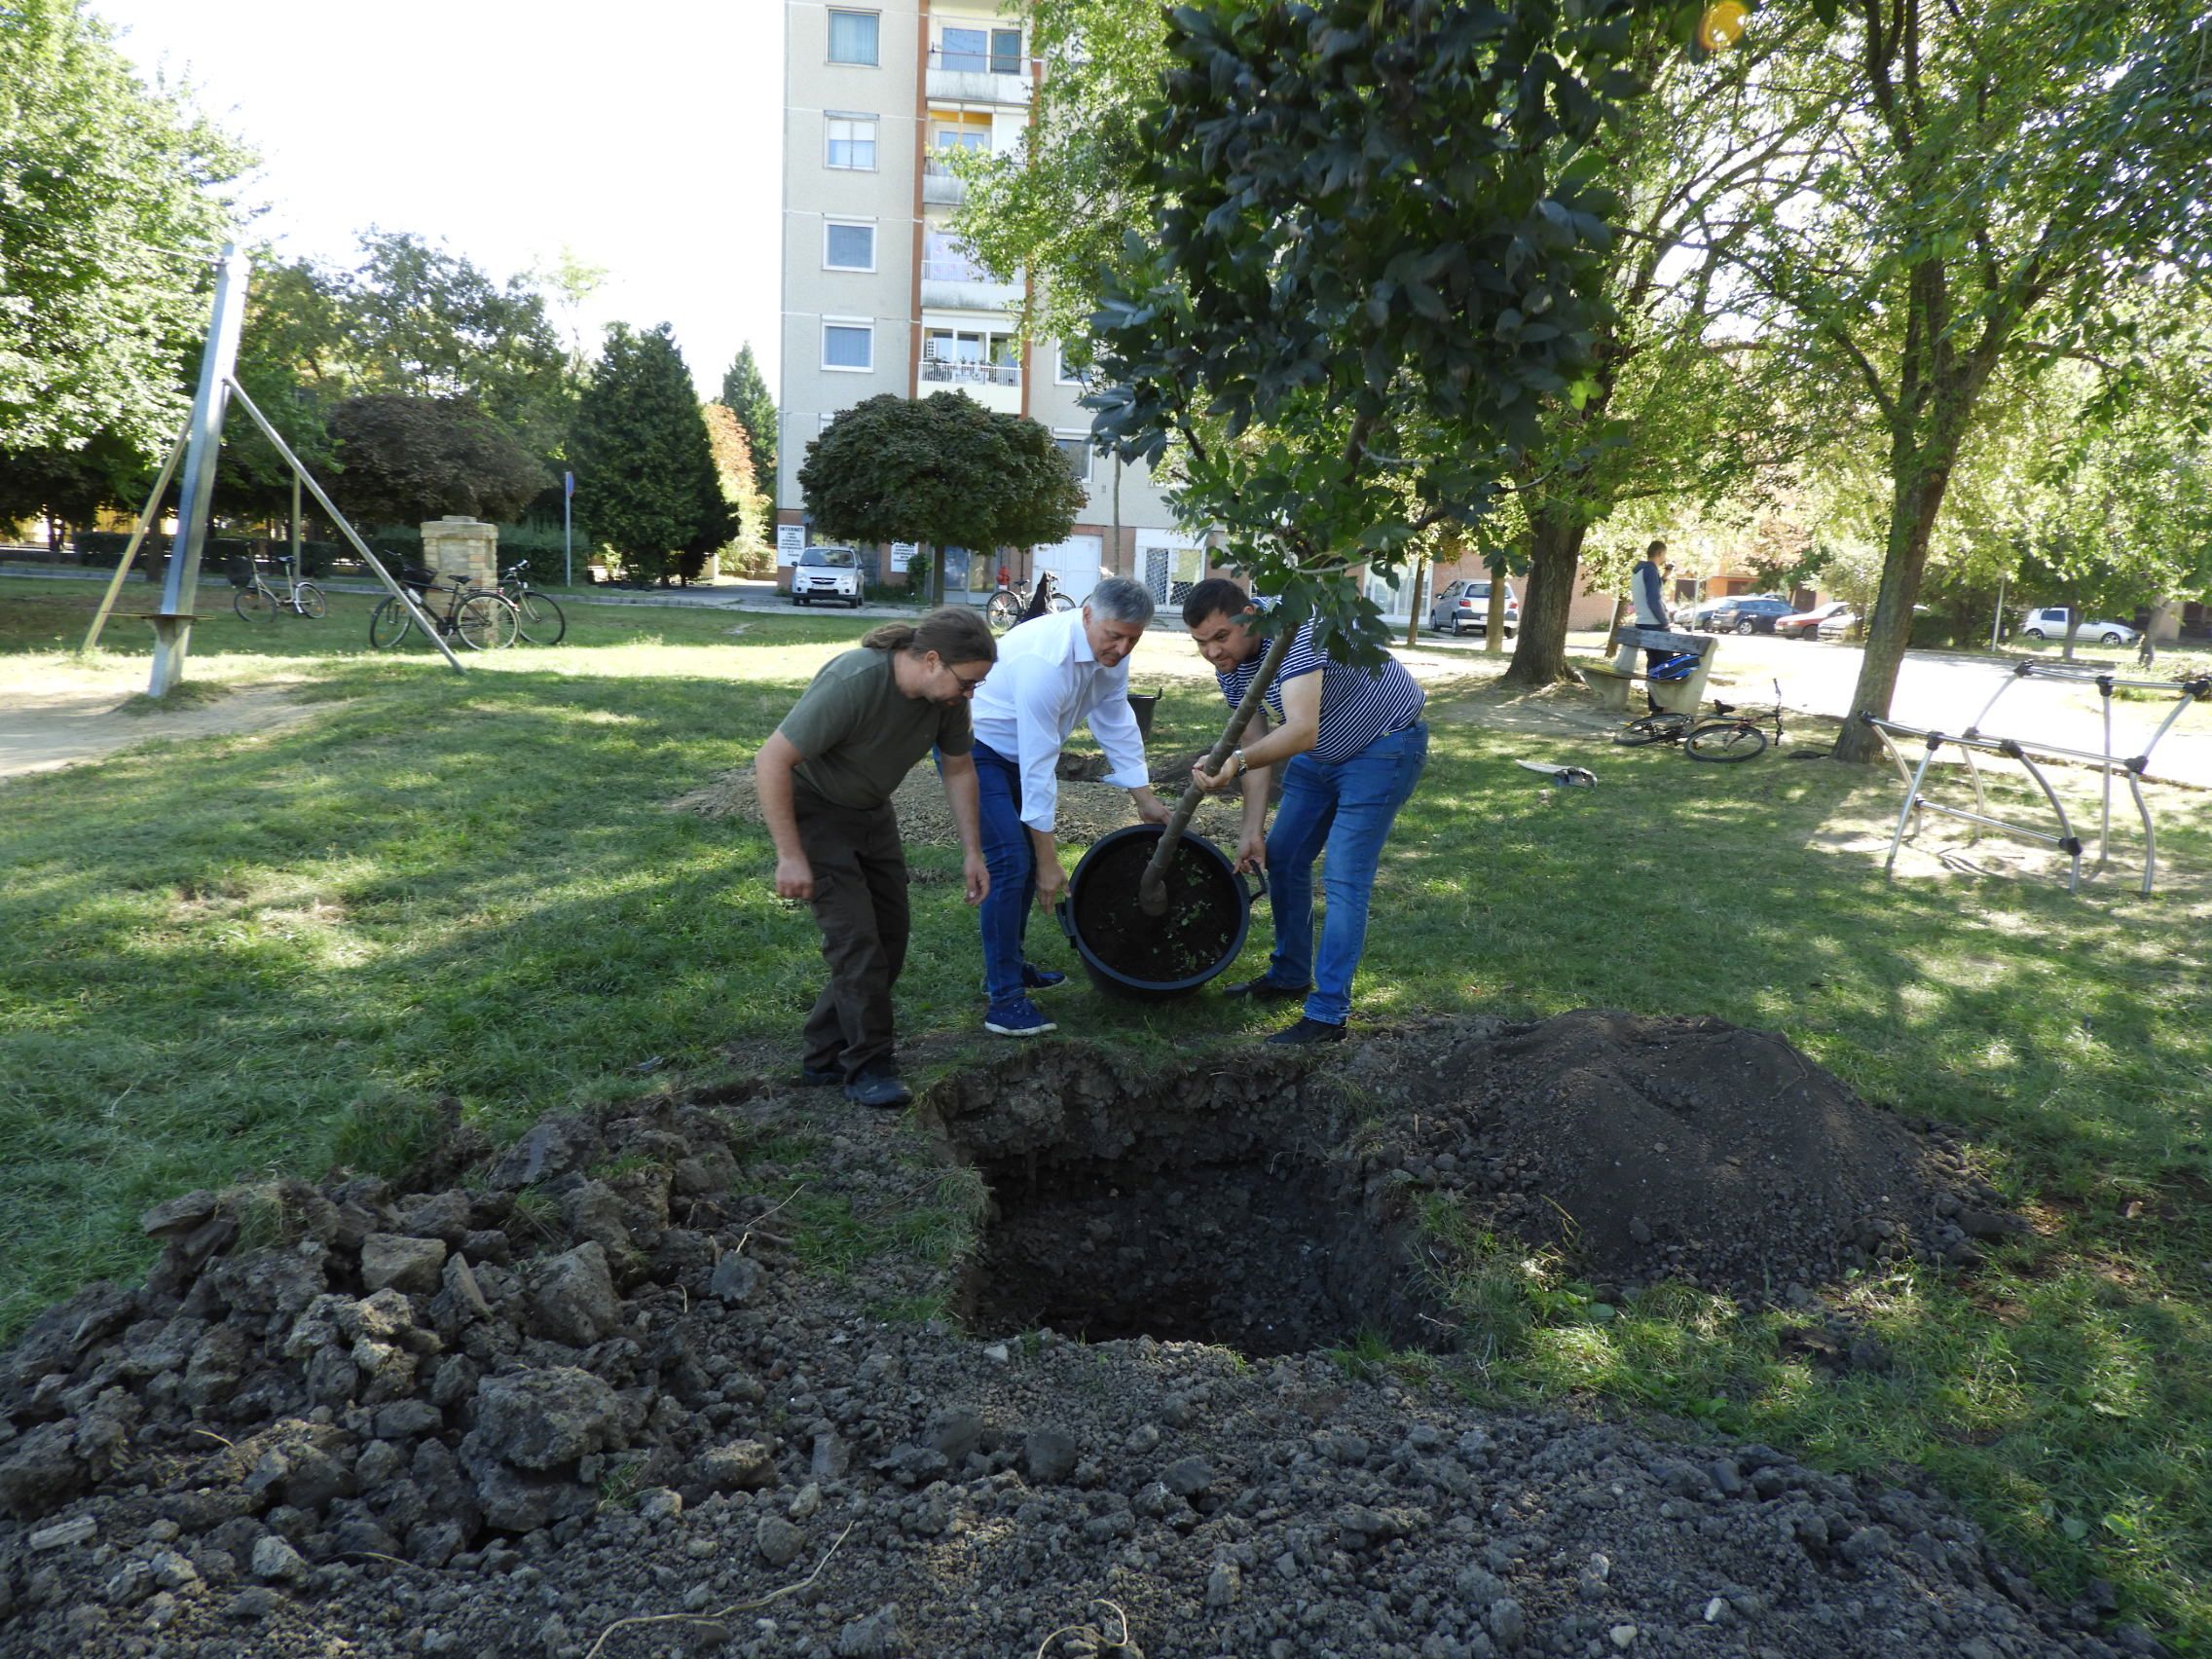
462,550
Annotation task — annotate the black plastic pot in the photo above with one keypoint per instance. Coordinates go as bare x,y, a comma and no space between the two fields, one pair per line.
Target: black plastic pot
1152,958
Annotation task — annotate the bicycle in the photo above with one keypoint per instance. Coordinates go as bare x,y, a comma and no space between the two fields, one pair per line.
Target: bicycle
481,619
1016,603
256,601
1727,737
541,619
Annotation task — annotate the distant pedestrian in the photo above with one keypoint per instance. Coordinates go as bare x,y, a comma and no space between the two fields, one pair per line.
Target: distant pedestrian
1647,585
825,778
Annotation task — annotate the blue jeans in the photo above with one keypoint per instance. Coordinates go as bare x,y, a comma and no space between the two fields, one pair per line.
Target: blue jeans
1345,809
1013,862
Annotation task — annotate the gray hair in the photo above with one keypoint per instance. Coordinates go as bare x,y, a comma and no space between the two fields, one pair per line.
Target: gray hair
1118,599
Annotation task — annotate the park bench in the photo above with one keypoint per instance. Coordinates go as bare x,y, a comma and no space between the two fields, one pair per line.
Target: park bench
1679,696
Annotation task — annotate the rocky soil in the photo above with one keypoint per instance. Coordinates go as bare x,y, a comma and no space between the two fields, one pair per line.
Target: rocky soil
639,1385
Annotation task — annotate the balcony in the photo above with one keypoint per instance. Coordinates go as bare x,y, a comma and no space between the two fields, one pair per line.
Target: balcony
939,186
995,386
959,285
976,77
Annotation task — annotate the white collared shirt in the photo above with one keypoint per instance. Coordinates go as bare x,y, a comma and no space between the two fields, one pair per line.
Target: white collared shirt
1048,682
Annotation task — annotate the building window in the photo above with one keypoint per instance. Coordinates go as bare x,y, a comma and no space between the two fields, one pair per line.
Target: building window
962,357
852,141
848,248
976,50
848,344
1067,373
1075,450
853,37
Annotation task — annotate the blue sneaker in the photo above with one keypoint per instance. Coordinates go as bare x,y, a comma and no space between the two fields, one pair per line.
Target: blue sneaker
1017,1018
1039,979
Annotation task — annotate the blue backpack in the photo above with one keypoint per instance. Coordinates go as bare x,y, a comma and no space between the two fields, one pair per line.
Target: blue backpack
1680,665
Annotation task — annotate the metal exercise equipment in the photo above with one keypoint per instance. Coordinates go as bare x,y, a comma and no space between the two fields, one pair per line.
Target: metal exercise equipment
200,446
1973,740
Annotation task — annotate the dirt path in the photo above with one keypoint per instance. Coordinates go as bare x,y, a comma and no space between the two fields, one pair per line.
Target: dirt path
55,716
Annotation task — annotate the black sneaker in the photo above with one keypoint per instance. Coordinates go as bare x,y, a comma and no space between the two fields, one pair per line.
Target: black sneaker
1264,989
878,1089
1305,1032
810,1077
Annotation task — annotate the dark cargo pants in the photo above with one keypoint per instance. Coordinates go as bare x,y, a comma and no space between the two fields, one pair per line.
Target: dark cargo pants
859,903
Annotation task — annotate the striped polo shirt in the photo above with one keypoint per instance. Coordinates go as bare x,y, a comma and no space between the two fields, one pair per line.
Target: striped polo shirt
1358,705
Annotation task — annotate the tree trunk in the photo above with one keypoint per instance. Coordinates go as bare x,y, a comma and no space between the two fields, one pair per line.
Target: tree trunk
1152,886
1540,654
1916,494
1494,618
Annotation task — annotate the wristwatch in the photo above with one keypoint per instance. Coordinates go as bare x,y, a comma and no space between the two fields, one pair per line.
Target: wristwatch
1237,755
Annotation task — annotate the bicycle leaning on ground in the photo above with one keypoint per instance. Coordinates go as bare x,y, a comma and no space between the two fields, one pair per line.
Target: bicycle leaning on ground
259,602
540,621
1010,605
480,619
1728,736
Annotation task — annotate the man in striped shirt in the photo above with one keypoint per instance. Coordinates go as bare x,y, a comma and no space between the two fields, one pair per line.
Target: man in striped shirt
1352,743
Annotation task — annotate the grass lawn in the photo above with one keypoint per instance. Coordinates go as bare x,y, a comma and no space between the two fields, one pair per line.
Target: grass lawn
278,952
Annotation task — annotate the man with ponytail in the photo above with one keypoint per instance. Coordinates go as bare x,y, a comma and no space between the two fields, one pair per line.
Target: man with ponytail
825,780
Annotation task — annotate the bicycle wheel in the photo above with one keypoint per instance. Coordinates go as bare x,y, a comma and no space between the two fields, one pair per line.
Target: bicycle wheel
1061,602
309,601
486,623
1725,742
252,604
541,621
1003,610
389,624
1651,729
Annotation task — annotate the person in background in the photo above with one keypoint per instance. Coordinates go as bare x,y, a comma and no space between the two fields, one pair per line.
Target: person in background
1352,743
825,780
1055,673
1647,586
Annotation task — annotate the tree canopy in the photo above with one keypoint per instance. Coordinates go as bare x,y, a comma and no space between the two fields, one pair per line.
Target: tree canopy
941,470
746,394
645,484
409,459
114,200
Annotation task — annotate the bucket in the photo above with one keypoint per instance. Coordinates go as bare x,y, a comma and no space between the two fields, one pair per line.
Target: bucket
1152,958
1141,705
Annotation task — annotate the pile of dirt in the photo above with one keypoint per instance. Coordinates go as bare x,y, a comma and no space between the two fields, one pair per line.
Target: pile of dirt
637,1369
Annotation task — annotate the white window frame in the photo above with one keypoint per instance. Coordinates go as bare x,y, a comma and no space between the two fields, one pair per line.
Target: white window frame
866,324
1077,434
867,225
875,143
829,32
1060,375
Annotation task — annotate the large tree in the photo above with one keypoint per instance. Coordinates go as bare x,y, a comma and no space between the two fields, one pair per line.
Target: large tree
2002,179
645,485
408,458
114,197
746,394
941,469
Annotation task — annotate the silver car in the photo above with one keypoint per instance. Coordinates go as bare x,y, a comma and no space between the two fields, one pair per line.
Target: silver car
2050,623
829,574
1463,607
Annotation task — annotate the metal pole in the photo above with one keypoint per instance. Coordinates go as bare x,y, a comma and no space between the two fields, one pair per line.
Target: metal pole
1997,620
295,530
137,535
344,529
172,622
567,533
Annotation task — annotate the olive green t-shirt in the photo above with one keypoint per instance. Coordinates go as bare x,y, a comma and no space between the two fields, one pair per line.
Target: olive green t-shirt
861,735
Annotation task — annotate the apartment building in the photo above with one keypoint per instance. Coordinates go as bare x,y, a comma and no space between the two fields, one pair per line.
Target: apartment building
879,296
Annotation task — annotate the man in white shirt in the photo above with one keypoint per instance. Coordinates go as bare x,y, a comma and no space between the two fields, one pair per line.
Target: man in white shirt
1053,674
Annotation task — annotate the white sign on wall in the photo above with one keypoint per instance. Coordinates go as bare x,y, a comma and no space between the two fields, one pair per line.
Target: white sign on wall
790,542
901,555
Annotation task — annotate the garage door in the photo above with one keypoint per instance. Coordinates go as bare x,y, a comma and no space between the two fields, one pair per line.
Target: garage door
1074,564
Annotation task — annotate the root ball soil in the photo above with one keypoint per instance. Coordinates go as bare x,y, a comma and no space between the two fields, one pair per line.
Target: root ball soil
1196,933
676,1365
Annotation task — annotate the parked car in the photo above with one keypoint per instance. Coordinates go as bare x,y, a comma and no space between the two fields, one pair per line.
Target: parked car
1806,624
827,572
1840,626
1699,616
2050,623
1751,614
1463,607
